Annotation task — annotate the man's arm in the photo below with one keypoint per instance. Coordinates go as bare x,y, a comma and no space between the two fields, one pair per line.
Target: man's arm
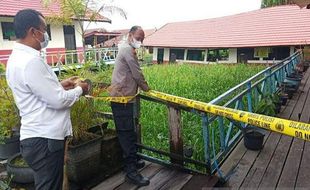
47,88
136,70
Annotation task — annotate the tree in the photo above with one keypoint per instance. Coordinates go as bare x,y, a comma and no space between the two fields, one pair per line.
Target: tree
272,3
81,11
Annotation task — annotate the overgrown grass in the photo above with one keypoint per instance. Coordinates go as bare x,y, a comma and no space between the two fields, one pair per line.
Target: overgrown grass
198,82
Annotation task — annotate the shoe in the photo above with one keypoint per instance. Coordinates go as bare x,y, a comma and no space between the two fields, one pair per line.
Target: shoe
137,179
140,164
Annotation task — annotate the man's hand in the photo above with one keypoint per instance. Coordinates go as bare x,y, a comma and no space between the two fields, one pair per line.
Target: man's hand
69,83
84,86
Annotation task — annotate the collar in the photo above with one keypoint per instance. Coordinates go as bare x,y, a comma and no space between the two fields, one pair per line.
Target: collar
26,48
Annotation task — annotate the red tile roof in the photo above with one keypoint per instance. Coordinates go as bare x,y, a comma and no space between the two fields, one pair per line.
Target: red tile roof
100,32
9,8
275,26
117,39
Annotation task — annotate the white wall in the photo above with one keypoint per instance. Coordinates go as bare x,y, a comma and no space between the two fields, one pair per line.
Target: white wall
233,55
78,36
166,54
155,52
57,36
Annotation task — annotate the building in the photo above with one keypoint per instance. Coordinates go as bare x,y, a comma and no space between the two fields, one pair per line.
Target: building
62,37
260,36
97,37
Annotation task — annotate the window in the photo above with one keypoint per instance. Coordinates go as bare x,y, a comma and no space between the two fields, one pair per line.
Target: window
8,31
218,55
177,53
277,53
196,55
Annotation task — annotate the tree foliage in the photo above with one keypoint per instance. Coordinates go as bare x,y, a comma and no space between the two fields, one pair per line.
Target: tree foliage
272,3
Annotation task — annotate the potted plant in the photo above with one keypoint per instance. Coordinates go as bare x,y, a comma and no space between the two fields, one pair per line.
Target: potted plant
253,139
277,102
19,170
84,148
88,148
283,97
111,152
266,106
9,123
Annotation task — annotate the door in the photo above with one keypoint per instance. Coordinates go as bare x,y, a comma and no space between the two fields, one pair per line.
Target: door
245,54
160,55
69,34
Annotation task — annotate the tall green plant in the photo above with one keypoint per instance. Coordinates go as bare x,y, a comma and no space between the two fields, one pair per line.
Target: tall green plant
84,112
9,115
272,3
83,116
2,68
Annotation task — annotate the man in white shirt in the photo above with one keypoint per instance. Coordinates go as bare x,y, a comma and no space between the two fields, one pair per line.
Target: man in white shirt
44,102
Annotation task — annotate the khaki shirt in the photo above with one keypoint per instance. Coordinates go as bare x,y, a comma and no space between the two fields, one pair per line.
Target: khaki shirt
127,75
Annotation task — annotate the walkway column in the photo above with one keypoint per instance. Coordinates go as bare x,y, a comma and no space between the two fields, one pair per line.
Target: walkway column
185,54
155,52
206,56
292,49
166,55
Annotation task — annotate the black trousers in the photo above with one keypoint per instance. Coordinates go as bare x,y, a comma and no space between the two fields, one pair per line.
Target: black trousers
124,122
46,158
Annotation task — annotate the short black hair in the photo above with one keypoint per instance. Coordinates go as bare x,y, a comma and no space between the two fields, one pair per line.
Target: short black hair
24,20
134,28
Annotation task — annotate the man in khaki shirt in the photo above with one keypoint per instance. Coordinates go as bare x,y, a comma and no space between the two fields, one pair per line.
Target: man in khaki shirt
126,78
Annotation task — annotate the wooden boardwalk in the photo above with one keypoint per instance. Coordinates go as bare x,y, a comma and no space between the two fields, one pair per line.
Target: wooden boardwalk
160,178
283,162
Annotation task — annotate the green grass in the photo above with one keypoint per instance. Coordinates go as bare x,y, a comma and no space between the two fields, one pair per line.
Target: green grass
198,82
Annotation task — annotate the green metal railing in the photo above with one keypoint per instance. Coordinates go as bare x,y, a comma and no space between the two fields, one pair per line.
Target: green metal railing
244,96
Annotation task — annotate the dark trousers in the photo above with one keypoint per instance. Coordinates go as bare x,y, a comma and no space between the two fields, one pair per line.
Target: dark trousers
124,122
46,158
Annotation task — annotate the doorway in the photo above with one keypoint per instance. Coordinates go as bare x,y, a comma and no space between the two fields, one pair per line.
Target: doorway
69,34
160,55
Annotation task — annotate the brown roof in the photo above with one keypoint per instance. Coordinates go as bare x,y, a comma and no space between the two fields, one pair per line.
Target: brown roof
275,26
9,8
100,32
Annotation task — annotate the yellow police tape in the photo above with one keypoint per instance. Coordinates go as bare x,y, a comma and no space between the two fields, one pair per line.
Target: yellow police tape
284,126
123,100
287,127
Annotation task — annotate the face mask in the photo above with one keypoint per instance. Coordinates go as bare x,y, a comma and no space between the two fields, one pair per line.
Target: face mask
44,44
46,38
136,44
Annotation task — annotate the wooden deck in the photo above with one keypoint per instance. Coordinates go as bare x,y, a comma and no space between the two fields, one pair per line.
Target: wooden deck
160,178
284,160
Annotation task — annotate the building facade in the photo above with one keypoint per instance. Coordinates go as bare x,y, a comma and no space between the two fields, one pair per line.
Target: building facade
262,36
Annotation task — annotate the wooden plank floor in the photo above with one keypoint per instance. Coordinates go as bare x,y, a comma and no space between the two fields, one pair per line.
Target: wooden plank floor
284,161
162,178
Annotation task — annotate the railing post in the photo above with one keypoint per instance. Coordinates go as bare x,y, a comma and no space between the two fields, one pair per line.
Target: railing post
59,63
249,86
222,132
206,141
137,119
176,140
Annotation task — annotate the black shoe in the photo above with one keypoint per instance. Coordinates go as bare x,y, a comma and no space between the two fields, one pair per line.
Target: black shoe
137,179
140,164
